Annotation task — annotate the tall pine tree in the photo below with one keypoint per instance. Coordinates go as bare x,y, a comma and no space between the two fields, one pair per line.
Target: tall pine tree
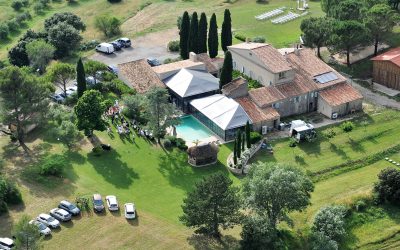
235,152
226,33
243,141
193,33
248,141
202,34
239,143
80,78
184,36
213,37
227,70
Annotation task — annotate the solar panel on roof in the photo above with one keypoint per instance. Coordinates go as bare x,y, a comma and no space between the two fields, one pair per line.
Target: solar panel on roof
327,77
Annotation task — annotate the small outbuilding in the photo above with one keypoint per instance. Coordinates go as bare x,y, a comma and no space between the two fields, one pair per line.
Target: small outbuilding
203,154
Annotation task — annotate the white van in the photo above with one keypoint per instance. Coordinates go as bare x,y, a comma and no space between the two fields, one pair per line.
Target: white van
105,48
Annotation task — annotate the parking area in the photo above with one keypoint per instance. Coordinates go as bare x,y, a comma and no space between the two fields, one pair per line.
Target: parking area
152,45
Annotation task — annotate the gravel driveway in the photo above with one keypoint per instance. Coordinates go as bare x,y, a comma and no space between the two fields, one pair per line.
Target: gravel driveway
151,45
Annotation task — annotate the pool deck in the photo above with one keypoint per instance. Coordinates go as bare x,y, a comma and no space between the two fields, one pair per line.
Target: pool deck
213,138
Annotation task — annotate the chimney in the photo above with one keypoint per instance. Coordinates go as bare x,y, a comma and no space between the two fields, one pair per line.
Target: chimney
192,57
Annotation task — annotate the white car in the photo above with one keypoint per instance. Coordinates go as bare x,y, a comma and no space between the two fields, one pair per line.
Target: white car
130,211
58,98
48,220
112,203
73,88
60,214
6,243
43,229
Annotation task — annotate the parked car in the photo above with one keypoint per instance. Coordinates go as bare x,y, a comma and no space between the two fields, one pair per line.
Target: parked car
69,207
105,48
117,45
98,204
91,81
60,214
112,203
126,42
153,62
70,92
6,243
58,98
113,69
48,220
73,88
130,211
43,229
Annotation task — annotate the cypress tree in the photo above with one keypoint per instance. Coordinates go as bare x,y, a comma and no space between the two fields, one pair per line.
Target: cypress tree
184,36
239,143
227,70
234,152
213,37
248,134
80,78
193,34
243,141
226,33
202,34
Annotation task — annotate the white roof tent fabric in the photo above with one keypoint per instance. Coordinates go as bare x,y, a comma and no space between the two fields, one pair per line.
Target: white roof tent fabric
189,82
326,77
225,112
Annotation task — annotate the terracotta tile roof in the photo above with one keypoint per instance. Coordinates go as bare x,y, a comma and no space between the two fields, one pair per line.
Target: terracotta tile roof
265,96
309,66
175,66
340,94
213,65
295,88
236,83
392,55
272,59
255,113
139,75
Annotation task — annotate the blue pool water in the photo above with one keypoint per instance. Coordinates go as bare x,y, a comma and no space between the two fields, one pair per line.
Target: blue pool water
191,129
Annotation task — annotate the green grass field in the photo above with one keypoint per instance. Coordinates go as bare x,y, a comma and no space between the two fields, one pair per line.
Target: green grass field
161,15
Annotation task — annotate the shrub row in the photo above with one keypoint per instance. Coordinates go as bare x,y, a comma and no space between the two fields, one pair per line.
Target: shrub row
13,24
9,194
172,141
257,39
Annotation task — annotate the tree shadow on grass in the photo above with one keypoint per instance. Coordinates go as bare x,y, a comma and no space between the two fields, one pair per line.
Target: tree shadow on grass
113,169
337,150
173,165
311,148
201,242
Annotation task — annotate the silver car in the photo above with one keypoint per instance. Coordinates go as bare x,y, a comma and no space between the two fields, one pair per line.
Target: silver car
60,214
130,211
43,229
48,220
112,203
6,243
68,206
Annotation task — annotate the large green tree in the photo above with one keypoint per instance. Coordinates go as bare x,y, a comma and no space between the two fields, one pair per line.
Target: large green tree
64,37
347,36
226,33
274,190
193,34
184,36
388,186
380,20
89,111
61,74
226,71
202,34
92,68
65,17
40,53
247,131
26,235
80,78
213,203
328,6
109,25
213,37
316,31
161,114
330,221
349,10
24,99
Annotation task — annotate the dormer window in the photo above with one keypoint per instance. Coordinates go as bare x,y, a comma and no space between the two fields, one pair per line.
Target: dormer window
282,75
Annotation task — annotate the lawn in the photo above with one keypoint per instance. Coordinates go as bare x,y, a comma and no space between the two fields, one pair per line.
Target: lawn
138,171
375,131
162,14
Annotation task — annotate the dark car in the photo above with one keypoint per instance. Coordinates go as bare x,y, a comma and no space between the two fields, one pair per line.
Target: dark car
126,42
98,204
69,207
117,45
153,62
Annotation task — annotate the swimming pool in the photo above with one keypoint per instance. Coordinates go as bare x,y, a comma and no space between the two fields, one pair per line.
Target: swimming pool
191,129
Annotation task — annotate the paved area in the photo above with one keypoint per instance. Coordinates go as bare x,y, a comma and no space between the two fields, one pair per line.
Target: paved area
383,89
151,45
377,98
361,54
